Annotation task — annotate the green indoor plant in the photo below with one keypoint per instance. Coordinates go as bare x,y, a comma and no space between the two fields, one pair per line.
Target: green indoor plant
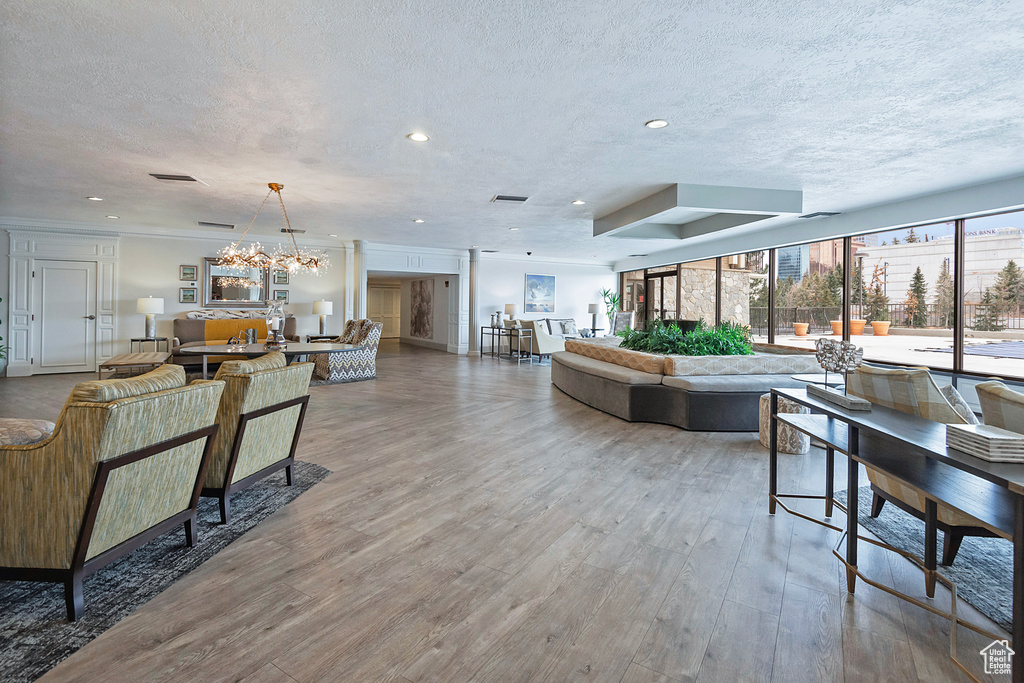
727,339
611,301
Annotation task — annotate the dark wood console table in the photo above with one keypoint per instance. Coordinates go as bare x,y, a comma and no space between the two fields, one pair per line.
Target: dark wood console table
914,450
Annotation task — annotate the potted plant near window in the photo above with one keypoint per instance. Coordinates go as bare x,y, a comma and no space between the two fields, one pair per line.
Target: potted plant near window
611,302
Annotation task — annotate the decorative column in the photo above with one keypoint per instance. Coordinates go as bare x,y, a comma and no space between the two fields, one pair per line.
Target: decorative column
360,277
474,282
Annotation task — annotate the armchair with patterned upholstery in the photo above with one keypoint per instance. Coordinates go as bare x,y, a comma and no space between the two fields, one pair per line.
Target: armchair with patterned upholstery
124,465
620,322
355,365
260,419
913,391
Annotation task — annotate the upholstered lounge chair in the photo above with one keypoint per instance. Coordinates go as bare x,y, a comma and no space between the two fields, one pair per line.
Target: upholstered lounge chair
913,391
355,365
124,465
260,419
543,344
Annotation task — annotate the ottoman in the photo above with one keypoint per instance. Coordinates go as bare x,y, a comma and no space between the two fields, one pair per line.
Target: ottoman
790,440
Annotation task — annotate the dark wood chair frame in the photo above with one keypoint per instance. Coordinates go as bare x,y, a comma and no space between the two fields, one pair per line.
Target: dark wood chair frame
82,567
952,536
223,494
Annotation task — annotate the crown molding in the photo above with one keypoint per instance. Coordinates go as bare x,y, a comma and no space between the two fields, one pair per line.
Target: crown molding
52,226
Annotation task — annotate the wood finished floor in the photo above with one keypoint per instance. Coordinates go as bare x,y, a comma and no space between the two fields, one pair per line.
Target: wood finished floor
480,525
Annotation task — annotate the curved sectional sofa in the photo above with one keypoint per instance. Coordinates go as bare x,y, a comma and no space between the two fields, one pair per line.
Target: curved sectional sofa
700,393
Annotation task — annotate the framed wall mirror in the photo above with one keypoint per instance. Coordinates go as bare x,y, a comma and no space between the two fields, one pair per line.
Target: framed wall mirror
234,288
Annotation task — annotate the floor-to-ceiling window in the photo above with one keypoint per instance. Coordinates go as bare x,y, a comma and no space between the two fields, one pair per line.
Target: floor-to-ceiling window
907,290
994,294
902,302
661,293
697,291
744,291
808,291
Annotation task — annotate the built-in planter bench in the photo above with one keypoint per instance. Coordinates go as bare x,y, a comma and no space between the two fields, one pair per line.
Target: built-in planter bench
700,393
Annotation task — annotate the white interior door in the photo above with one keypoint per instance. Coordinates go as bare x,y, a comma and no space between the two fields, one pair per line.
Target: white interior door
64,293
384,305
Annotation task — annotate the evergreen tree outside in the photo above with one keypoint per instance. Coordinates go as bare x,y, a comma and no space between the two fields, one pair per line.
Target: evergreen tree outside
834,280
1009,289
916,305
989,320
857,293
912,237
944,301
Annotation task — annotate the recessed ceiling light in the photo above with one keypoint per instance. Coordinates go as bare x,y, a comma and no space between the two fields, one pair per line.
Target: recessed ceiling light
656,123
475,246
513,229
95,199
417,137
417,220
113,216
331,235
578,202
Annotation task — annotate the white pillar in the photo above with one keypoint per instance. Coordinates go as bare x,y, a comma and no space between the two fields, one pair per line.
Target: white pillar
360,276
350,282
474,283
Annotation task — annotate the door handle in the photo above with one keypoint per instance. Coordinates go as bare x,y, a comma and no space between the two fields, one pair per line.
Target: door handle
89,317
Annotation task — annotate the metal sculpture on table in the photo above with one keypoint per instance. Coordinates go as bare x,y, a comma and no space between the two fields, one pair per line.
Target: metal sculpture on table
842,357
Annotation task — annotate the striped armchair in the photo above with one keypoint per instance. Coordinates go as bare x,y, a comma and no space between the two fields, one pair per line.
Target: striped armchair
355,365
124,465
913,391
260,419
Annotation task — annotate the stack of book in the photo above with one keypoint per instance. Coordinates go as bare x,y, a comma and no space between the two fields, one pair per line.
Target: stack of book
986,442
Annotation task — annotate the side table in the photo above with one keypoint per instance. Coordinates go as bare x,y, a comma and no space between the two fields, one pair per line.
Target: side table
141,341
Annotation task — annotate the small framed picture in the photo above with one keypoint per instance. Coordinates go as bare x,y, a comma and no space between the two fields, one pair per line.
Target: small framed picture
281,295
187,273
187,295
280,277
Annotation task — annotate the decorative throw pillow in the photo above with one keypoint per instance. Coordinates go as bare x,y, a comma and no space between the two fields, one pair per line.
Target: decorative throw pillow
569,328
950,393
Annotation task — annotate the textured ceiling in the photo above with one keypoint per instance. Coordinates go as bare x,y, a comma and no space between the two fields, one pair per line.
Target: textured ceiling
854,103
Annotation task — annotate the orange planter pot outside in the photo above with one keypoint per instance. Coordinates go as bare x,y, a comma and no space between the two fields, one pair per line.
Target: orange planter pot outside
880,328
857,326
837,326
800,329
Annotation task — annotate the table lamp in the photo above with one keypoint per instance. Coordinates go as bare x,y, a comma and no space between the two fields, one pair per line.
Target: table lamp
323,309
150,307
592,310
510,310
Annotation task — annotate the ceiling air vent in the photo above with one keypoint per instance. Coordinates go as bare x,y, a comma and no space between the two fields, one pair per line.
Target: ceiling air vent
219,226
177,178
488,251
293,231
637,255
514,199
821,214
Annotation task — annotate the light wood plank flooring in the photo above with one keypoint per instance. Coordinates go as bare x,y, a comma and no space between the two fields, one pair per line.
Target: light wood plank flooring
480,525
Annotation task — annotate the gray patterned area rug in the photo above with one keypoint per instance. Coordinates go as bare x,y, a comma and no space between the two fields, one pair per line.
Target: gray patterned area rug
35,635
982,570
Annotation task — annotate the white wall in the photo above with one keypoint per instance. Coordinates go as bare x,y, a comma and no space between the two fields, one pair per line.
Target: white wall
503,281
149,266
442,296
5,281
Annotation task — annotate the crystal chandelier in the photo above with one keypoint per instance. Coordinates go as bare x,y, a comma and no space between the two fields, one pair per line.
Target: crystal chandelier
288,257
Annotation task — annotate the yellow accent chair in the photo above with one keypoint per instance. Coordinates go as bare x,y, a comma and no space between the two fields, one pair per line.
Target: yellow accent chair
913,391
260,419
125,464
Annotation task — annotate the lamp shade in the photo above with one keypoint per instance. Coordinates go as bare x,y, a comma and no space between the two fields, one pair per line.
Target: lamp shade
150,305
323,308
592,308
510,309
